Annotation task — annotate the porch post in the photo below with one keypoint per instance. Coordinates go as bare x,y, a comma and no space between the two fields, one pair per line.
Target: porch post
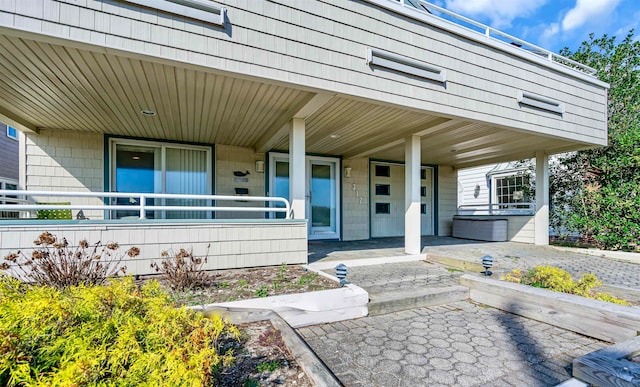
297,168
542,199
412,242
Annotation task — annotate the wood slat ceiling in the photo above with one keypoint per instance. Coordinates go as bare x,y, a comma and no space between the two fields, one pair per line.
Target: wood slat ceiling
60,87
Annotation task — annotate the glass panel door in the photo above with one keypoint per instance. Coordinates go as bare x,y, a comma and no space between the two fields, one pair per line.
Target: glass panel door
186,173
137,169
280,183
322,208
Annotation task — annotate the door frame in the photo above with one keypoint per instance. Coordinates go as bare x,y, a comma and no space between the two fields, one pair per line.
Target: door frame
337,177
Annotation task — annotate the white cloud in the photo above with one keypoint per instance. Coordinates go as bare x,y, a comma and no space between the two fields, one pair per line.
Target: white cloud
550,31
586,10
500,12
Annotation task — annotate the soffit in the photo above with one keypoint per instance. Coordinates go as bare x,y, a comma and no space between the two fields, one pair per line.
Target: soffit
61,87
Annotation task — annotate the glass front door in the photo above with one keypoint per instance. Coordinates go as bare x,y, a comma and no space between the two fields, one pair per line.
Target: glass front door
322,187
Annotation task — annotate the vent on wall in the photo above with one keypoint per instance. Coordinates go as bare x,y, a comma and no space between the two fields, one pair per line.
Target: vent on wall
194,9
405,65
540,102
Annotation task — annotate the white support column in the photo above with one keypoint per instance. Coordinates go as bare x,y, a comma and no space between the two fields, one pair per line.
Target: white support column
412,240
542,199
297,169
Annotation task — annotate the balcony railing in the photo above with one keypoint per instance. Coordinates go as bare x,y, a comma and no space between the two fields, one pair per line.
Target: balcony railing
427,11
497,209
137,201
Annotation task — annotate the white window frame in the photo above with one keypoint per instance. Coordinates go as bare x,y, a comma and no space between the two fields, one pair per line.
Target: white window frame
494,185
13,137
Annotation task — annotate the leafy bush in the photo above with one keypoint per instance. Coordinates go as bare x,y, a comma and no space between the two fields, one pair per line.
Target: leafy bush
558,280
54,263
111,335
182,270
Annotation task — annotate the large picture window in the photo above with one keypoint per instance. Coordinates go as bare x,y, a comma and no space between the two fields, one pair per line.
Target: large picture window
153,167
512,189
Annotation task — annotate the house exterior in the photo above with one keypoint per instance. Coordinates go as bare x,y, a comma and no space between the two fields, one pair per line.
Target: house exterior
359,113
9,168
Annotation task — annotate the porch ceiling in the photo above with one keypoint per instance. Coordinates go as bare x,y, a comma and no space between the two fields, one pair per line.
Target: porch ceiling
50,86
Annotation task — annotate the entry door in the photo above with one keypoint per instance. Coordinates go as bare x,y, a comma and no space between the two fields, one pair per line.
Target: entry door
388,201
322,206
322,187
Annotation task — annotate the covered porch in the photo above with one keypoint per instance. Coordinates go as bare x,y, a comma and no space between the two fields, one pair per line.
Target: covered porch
360,131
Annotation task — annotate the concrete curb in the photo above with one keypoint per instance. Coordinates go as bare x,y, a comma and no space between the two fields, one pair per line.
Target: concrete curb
324,265
315,369
618,255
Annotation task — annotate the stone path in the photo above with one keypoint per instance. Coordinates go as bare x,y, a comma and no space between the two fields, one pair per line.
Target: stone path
510,255
460,344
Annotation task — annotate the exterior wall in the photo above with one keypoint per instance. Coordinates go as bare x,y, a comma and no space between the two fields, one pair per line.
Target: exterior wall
59,160
521,228
9,155
468,179
264,40
355,202
228,160
447,199
227,245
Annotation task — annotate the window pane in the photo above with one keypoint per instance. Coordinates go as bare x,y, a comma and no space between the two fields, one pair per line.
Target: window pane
186,173
383,208
383,170
383,189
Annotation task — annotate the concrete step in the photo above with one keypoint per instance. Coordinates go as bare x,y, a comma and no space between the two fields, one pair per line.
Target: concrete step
388,302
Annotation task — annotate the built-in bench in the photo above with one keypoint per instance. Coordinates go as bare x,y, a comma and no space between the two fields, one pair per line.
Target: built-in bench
483,228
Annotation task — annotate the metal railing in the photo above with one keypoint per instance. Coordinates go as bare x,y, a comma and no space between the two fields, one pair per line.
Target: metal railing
497,209
429,9
138,202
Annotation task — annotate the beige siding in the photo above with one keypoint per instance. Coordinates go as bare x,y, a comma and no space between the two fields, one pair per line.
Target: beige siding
447,199
355,202
521,229
322,45
227,245
228,160
59,160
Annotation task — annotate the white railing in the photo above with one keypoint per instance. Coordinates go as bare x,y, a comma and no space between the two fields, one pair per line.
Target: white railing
422,6
497,209
138,202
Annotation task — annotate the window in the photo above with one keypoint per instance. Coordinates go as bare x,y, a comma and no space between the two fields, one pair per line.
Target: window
383,171
9,199
154,167
383,208
512,189
383,189
12,132
423,192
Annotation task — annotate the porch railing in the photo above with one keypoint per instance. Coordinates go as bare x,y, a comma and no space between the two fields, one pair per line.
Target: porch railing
138,202
431,10
497,209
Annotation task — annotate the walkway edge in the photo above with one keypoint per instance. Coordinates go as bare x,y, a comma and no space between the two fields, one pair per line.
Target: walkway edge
325,265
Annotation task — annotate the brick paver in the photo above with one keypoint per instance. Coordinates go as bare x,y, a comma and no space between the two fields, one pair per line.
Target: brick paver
462,344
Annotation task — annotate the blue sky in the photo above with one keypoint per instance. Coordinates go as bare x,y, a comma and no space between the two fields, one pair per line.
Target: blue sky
553,24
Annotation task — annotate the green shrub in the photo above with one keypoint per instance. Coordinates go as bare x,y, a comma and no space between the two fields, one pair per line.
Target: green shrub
54,263
113,335
553,278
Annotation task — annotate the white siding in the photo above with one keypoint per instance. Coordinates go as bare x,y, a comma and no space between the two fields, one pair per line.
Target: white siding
468,179
322,45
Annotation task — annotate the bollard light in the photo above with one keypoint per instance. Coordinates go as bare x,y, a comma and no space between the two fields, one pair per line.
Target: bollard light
341,274
487,262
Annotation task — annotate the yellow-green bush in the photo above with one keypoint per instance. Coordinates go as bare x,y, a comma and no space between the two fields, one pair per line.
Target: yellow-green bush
114,335
556,279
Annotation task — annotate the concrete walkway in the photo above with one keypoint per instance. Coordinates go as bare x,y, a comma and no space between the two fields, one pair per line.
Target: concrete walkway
460,342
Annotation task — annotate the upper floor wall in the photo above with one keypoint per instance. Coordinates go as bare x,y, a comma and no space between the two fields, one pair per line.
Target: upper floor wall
323,46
